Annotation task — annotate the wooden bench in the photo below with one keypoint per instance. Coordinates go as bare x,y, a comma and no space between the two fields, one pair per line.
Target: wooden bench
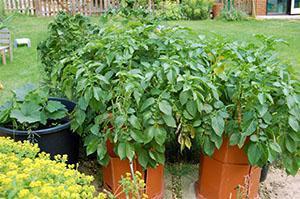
5,44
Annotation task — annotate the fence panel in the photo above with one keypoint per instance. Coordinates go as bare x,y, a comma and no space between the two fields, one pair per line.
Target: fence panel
52,7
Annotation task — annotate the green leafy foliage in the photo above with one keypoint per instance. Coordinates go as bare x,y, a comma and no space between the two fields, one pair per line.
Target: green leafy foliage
262,100
230,13
170,10
197,9
67,33
30,109
135,82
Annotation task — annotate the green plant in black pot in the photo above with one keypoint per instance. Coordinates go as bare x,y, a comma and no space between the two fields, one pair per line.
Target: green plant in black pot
32,115
29,109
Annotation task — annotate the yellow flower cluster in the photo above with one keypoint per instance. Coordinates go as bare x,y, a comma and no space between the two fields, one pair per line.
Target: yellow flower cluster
133,186
20,149
23,175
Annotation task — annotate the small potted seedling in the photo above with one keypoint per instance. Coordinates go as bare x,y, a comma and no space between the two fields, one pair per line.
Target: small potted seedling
31,115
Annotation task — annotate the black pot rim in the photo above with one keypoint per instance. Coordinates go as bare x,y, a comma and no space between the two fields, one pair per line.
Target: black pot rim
40,131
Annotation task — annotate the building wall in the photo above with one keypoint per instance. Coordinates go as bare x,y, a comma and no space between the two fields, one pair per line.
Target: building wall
261,7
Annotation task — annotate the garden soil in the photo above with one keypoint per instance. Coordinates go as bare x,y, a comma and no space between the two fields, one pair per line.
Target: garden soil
279,185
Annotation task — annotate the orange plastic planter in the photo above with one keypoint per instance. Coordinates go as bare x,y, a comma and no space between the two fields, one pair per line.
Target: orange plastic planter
154,177
216,9
227,175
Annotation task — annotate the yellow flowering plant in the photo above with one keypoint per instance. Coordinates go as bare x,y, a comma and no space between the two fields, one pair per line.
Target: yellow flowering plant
25,173
131,185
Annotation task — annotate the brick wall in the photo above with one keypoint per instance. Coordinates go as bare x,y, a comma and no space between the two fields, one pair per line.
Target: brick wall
261,7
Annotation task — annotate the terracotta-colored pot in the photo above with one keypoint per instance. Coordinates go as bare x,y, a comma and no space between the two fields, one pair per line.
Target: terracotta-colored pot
227,175
230,154
153,177
216,9
110,149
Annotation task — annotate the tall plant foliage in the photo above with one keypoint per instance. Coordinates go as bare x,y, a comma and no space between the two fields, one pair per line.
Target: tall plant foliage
66,34
262,99
135,82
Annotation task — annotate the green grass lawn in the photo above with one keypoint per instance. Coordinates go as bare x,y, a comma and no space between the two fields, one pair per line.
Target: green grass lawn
26,66
244,31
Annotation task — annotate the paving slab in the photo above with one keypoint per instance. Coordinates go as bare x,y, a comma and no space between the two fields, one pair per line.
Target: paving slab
279,17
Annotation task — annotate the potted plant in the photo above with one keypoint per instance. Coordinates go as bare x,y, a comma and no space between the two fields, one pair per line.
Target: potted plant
216,9
32,115
135,82
262,100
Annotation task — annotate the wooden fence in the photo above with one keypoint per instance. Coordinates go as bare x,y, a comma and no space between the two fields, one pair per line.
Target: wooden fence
247,6
52,7
88,7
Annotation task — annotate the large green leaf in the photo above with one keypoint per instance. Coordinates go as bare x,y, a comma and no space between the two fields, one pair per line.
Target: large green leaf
169,120
122,151
28,113
53,106
143,157
101,151
134,122
165,107
209,146
191,107
290,144
160,136
183,97
138,136
293,123
92,145
249,127
253,154
20,93
148,102
130,152
218,125
150,132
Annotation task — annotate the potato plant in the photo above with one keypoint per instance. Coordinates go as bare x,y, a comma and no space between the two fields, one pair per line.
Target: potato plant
136,81
262,99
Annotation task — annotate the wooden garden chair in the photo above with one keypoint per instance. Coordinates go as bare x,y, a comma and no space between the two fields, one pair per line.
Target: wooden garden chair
5,44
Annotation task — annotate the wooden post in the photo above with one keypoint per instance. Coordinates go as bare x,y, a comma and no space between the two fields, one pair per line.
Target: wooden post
101,7
105,5
253,8
73,6
90,7
3,56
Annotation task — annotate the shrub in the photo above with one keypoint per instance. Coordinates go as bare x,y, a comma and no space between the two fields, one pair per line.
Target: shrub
233,14
169,10
197,9
21,150
24,174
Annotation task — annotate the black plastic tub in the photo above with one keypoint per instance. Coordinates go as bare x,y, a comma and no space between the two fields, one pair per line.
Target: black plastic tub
264,173
55,140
